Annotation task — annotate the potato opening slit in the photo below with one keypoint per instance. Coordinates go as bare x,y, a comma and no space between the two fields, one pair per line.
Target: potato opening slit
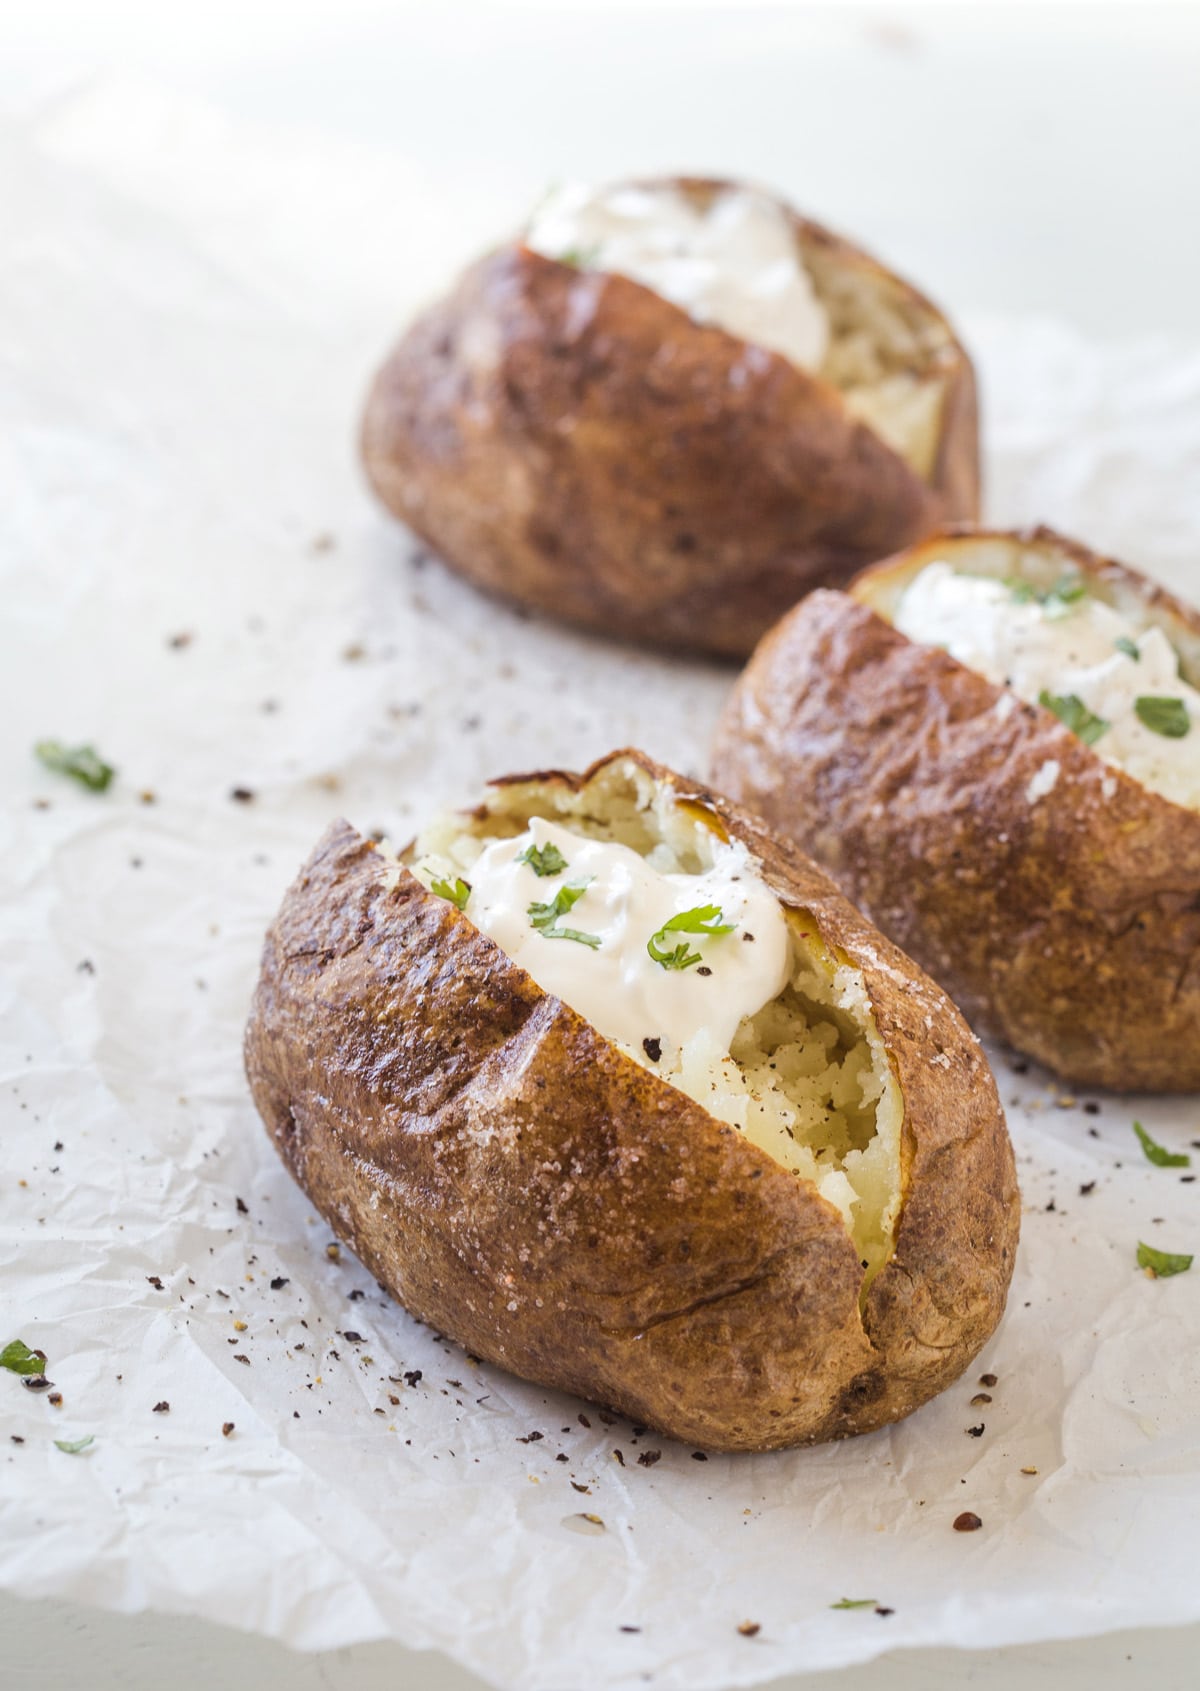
807,1078
890,354
887,351
1086,642
1044,564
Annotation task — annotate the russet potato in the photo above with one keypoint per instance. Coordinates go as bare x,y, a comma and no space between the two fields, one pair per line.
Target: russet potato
571,440
1052,894
522,1183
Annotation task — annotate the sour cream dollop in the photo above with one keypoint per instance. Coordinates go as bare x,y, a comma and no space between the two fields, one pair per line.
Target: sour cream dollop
614,983
735,263
1079,646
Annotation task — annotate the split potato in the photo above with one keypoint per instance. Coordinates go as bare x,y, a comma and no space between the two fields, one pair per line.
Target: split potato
992,741
770,1201
573,439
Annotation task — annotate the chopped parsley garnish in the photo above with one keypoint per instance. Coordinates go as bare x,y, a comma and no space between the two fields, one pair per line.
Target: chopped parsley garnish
544,916
1161,1264
1065,593
1158,1154
543,860
457,895
82,763
854,1603
19,1359
1055,601
1130,647
1168,717
681,957
579,258
704,919
1071,711
74,1446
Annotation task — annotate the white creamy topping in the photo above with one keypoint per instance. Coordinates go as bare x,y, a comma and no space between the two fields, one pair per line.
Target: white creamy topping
735,263
616,985
1065,647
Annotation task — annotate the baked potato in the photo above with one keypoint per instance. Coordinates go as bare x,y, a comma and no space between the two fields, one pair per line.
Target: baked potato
753,1188
993,743
668,410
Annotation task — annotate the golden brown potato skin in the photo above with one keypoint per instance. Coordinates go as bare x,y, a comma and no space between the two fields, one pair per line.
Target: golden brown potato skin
572,441
522,1185
1069,927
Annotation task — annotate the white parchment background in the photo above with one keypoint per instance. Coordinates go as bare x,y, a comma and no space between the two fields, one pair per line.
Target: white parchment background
188,314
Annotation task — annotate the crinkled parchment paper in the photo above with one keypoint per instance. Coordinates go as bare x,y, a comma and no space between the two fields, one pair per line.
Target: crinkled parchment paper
195,579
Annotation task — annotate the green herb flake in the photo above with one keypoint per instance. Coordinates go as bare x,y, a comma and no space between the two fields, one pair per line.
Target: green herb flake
1055,601
457,895
704,919
579,258
577,934
1161,1264
1168,717
854,1603
19,1359
1130,647
681,957
1071,711
543,860
544,916
74,1446
82,763
1158,1154
1065,593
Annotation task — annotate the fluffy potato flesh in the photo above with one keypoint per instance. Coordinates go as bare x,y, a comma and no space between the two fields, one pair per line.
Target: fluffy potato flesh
890,354
805,1077
1117,669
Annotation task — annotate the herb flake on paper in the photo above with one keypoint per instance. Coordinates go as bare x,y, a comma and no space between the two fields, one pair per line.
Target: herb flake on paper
1158,1154
82,763
1160,1265
19,1359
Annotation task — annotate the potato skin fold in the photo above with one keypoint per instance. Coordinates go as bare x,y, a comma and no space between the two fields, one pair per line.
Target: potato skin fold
574,442
1069,927
522,1185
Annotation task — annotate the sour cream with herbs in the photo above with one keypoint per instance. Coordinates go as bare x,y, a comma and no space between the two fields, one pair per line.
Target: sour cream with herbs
593,954
1072,646
735,263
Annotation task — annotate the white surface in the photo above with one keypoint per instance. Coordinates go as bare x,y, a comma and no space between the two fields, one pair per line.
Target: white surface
54,1646
183,364
1015,158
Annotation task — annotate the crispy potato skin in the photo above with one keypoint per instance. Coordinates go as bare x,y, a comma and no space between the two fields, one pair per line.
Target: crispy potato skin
573,442
522,1185
1069,926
